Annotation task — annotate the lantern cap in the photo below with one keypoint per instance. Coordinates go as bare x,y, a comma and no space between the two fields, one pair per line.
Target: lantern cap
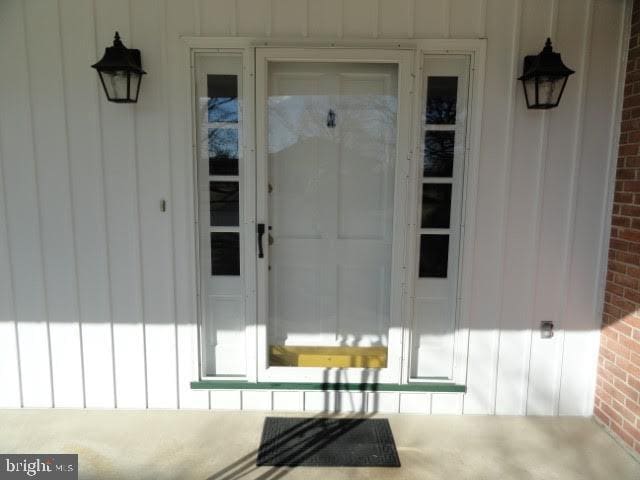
546,64
119,57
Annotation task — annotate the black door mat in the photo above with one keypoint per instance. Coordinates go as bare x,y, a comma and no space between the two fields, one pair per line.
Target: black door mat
327,442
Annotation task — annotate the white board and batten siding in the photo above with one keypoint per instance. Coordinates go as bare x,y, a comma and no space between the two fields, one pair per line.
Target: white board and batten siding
96,283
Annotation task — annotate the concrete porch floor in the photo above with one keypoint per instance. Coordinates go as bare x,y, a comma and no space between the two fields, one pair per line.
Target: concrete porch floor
214,445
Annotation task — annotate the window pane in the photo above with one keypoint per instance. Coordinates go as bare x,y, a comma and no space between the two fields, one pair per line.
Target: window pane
223,151
438,153
434,255
436,205
225,253
222,91
442,95
223,197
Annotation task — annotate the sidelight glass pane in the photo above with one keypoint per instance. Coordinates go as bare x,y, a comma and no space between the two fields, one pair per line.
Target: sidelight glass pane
225,253
223,151
222,91
442,96
434,256
224,200
436,205
438,153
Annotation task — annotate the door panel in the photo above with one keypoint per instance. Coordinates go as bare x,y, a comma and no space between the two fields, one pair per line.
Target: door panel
331,170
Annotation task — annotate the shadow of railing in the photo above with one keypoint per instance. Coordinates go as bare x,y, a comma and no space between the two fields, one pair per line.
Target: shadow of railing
313,433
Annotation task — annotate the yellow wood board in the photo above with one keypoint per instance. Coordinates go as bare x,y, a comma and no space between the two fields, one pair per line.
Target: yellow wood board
328,357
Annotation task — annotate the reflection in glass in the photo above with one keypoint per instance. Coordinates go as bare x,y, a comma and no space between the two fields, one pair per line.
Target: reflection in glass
222,91
436,205
223,197
225,253
293,119
442,95
434,256
223,151
438,153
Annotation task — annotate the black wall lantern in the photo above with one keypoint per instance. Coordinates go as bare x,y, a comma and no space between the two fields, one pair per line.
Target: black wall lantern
544,78
120,71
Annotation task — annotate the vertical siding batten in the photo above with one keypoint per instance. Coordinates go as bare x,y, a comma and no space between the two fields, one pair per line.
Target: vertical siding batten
103,184
543,159
515,49
465,17
153,165
625,21
86,194
340,35
624,32
289,18
575,169
592,210
138,221
167,94
234,19
572,23
539,229
493,185
360,19
181,208
121,188
250,18
322,19
11,393
396,18
268,21
431,18
197,22
411,11
217,17
522,228
72,222
34,337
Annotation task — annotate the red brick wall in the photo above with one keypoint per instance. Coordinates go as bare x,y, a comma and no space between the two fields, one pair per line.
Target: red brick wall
617,402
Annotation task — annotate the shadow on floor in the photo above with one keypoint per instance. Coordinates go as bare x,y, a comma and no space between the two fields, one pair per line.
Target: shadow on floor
310,442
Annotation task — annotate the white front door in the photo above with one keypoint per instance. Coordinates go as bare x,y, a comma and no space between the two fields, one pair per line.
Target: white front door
330,190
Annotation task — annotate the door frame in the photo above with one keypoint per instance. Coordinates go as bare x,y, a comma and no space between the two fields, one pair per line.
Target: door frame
417,48
403,58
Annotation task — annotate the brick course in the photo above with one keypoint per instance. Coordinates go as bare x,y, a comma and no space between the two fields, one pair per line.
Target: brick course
617,400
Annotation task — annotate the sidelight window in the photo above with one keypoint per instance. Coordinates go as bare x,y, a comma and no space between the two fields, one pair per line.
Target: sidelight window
443,135
219,169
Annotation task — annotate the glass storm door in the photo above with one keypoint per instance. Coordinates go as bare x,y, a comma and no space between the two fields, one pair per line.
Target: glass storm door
329,179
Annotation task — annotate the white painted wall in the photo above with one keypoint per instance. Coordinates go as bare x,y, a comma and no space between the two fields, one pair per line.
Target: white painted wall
96,282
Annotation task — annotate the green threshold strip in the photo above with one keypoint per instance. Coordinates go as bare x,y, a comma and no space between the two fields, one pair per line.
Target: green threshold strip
350,387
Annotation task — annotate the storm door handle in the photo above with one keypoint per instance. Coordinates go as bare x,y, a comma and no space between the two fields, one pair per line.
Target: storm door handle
260,235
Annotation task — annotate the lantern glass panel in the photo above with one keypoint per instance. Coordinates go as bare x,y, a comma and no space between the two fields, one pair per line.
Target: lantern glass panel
135,86
530,91
549,89
115,84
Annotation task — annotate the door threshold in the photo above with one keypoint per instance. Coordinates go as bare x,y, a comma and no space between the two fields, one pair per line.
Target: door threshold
327,357
328,386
